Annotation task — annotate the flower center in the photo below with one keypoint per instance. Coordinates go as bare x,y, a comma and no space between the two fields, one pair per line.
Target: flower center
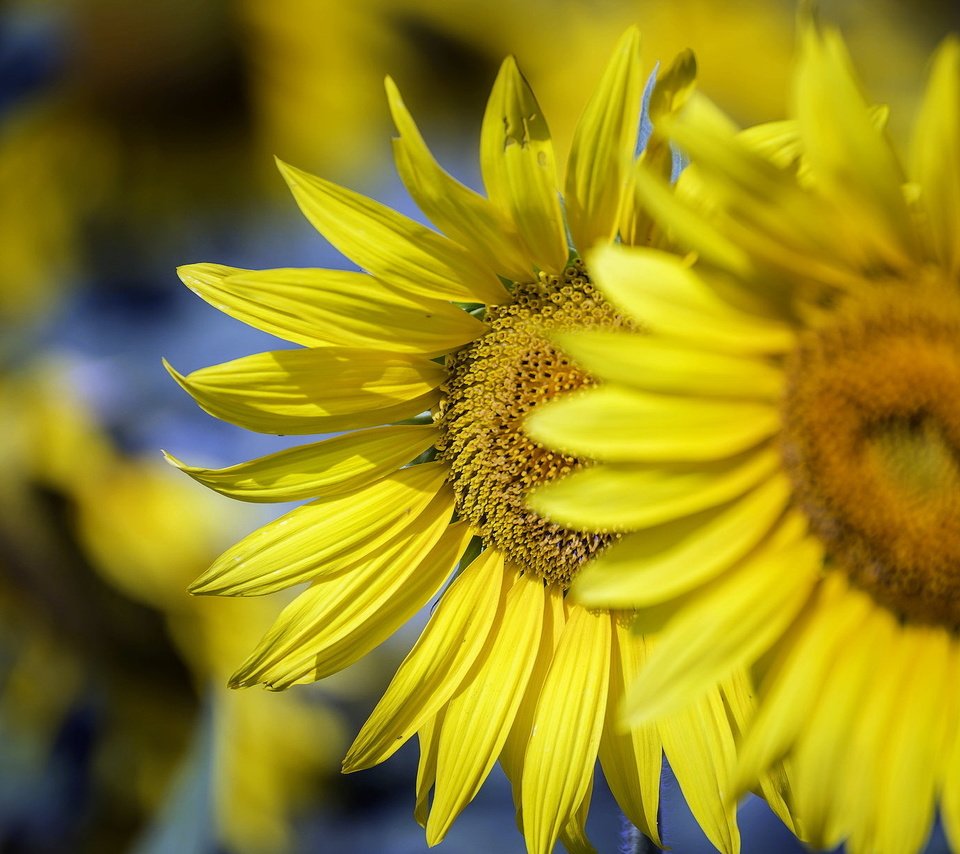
493,384
872,441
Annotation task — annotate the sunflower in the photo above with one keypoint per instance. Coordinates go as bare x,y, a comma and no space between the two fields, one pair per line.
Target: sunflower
406,506
783,448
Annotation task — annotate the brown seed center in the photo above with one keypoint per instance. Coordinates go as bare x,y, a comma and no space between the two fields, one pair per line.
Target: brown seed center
872,441
493,384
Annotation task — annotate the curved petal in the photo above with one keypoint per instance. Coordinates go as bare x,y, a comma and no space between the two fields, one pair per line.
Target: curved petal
603,145
480,715
344,462
456,210
659,563
339,620
429,738
433,671
631,759
391,246
661,292
727,626
565,739
936,155
625,496
519,169
324,537
339,307
622,425
314,391
659,364
699,746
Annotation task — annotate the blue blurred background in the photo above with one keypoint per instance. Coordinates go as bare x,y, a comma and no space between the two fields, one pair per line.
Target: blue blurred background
138,136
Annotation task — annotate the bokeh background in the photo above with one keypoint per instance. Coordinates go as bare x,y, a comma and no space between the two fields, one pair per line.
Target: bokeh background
138,136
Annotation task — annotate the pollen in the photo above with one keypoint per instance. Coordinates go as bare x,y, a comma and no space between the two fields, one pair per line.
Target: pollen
872,442
492,385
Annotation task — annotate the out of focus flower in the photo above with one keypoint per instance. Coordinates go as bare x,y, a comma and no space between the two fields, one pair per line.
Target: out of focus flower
82,521
784,446
507,667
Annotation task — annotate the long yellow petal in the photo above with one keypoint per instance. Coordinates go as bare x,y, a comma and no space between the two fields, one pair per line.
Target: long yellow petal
338,620
345,462
825,743
659,364
913,742
662,562
726,627
315,391
339,307
573,836
519,169
456,210
514,748
623,425
629,496
950,760
603,146
664,294
700,749
632,758
323,537
790,688
848,157
480,715
433,671
936,155
391,246
565,738
429,737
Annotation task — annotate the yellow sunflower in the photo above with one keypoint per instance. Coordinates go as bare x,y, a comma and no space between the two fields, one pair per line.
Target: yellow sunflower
507,667
785,444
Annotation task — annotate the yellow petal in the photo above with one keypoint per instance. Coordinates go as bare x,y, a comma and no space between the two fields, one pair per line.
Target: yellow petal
848,157
320,307
432,672
631,759
314,391
339,620
950,760
654,363
685,225
512,755
625,496
348,461
519,169
913,742
429,737
791,686
573,837
456,210
323,537
727,626
622,425
603,148
664,294
700,749
824,746
391,246
936,155
565,738
480,715
662,562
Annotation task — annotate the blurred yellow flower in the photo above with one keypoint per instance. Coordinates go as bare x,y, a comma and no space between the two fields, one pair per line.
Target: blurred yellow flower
785,444
507,667
146,534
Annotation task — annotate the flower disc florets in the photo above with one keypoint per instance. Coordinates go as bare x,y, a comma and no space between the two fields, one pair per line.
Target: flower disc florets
493,384
872,442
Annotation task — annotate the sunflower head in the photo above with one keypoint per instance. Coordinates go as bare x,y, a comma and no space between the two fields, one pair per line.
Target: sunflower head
781,450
